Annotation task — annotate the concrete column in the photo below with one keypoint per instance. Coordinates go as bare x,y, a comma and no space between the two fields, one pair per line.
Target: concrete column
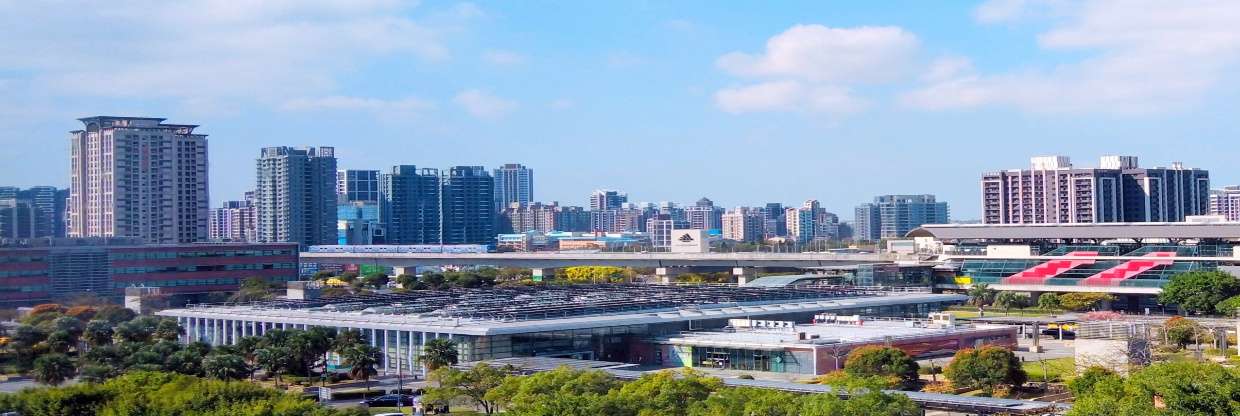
421,345
666,274
408,350
386,362
744,274
541,273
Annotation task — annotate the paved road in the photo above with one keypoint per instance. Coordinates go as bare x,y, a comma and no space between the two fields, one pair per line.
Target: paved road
16,384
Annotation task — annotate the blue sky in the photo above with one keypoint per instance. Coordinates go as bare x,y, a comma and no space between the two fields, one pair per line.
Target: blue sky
741,102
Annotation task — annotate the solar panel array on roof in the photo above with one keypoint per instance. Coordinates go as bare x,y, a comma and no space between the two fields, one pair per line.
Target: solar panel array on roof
547,302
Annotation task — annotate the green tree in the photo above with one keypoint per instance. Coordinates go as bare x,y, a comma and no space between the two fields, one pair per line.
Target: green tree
225,367
274,359
115,314
1182,331
53,369
438,353
560,392
168,330
1084,383
1009,300
986,368
981,295
150,393
1200,291
406,281
473,384
666,392
881,361
748,402
362,360
1082,301
252,289
1168,388
97,333
185,362
865,402
1048,301
1229,306
376,280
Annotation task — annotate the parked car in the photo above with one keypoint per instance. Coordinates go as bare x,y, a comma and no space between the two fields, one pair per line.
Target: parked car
389,400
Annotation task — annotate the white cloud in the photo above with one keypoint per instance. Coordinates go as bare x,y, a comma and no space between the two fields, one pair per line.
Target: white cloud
791,96
1141,57
812,68
337,102
824,54
503,58
206,50
483,105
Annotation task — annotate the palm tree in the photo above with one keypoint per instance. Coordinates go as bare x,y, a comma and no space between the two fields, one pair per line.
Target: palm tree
246,346
321,340
981,295
362,360
274,359
53,369
437,353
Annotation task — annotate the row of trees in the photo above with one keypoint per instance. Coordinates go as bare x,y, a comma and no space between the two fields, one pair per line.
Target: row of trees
1197,292
566,392
1169,388
981,295
53,345
155,393
866,371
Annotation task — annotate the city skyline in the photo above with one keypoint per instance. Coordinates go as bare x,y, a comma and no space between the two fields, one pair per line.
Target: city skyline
737,114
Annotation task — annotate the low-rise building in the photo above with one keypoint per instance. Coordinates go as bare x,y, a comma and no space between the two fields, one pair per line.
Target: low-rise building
593,322
820,347
41,270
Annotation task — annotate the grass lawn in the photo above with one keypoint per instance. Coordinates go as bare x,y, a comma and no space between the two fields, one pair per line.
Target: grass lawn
1057,369
962,313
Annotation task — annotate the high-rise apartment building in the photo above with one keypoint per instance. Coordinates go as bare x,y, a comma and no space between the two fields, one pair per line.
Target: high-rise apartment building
744,224
800,223
604,199
514,183
235,221
608,215
1226,202
660,230
357,185
296,195
893,216
775,224
409,205
138,177
618,220
468,205
32,213
543,218
1053,191
704,215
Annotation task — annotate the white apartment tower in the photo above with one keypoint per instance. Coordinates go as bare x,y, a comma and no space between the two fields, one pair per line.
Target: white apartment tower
138,177
296,195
